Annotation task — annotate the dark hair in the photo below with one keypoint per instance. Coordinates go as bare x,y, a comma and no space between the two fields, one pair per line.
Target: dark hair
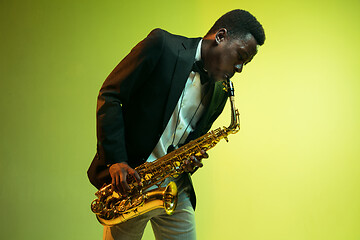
238,23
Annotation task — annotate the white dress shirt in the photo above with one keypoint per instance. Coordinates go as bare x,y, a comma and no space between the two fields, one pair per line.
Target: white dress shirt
187,113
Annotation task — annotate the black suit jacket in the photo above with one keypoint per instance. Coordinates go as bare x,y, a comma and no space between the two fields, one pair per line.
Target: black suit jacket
137,99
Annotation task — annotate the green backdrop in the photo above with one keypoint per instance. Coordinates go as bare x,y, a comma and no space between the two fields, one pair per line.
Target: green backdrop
292,173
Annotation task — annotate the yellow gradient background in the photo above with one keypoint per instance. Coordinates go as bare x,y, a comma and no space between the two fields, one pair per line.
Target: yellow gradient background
291,173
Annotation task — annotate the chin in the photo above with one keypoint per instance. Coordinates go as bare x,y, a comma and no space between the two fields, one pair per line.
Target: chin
219,78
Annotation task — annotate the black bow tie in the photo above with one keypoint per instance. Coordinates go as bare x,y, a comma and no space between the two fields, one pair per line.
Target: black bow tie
198,66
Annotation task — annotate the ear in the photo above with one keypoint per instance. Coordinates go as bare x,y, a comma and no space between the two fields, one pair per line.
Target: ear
220,35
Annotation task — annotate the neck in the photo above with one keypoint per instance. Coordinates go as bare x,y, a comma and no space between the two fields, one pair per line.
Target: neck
206,46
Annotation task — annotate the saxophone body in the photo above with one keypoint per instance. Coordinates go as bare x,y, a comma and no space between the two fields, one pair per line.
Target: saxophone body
112,208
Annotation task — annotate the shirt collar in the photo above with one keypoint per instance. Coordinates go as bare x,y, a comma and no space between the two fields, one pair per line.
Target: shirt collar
198,51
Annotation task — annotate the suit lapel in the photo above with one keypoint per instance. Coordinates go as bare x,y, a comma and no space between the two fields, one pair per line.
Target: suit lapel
185,60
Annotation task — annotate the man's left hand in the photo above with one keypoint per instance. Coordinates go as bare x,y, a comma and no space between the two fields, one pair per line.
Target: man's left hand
194,161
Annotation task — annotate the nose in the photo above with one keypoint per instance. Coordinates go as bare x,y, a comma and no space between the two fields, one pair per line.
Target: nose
239,67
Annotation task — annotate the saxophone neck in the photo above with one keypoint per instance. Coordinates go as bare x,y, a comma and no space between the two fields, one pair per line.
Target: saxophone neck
234,126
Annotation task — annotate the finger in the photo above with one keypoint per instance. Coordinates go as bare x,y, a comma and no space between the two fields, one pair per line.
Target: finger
113,184
190,166
123,182
204,154
117,184
195,162
184,164
187,166
134,173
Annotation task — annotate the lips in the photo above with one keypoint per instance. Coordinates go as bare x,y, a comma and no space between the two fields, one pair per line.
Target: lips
228,76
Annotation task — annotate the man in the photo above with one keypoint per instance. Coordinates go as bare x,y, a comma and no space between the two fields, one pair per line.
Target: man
157,99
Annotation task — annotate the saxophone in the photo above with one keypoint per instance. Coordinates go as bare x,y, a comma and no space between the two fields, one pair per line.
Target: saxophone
112,208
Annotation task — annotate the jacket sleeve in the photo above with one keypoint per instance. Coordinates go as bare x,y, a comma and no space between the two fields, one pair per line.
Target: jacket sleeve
116,92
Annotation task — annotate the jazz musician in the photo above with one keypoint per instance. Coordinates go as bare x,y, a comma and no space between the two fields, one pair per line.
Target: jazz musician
167,91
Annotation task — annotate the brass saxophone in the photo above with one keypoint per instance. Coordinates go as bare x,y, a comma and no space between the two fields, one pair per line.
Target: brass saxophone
112,208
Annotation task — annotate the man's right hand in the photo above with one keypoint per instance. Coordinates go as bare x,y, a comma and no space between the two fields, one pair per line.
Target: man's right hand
119,173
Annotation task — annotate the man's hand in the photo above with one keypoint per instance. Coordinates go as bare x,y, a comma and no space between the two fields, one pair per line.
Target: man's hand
119,173
193,162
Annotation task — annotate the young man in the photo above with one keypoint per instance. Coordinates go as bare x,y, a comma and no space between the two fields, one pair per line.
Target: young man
155,100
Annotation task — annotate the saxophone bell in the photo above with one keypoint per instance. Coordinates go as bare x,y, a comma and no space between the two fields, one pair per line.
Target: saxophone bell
113,209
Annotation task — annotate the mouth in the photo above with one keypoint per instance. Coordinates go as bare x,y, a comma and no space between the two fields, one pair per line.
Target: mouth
222,77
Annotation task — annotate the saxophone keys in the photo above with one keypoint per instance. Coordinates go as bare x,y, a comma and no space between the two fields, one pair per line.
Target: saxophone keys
97,206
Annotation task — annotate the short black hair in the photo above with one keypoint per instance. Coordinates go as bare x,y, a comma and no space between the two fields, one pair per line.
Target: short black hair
238,23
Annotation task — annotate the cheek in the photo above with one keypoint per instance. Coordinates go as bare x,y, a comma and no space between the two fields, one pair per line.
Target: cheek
223,60
214,63
226,62
221,63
